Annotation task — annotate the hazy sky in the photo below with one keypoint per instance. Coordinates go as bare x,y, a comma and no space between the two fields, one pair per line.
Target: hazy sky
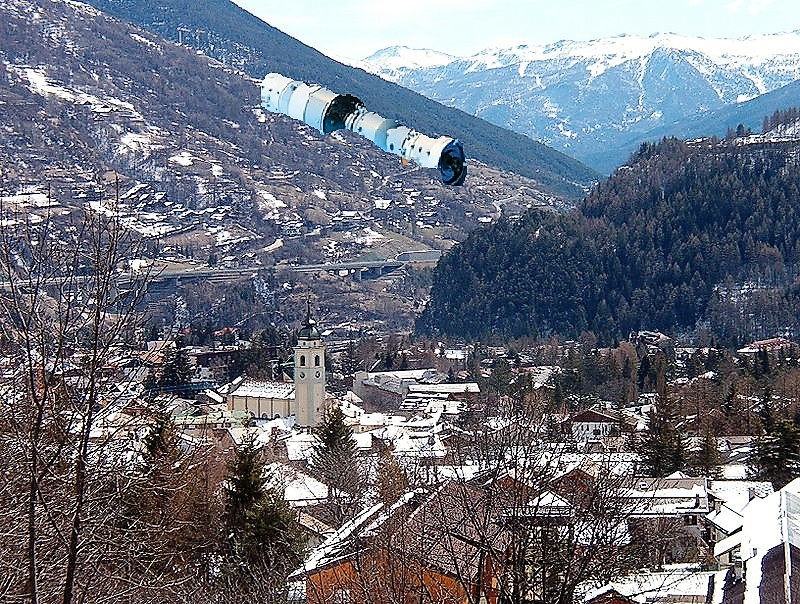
357,28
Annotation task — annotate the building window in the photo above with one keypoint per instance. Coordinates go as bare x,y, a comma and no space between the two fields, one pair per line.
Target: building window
302,360
316,360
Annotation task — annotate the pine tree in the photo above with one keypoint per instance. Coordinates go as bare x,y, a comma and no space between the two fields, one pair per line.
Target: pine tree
707,459
265,539
663,448
776,456
175,370
170,508
391,481
334,461
245,486
765,413
349,359
335,446
643,375
160,445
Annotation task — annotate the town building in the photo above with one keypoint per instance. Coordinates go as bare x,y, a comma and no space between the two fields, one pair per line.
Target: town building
303,398
309,373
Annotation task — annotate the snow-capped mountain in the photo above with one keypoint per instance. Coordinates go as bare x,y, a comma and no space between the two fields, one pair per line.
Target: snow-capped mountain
590,98
394,62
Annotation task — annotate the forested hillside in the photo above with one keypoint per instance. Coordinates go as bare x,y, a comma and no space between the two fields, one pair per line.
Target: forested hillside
686,236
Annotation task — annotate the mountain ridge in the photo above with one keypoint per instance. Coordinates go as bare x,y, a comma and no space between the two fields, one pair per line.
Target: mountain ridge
173,142
590,99
238,38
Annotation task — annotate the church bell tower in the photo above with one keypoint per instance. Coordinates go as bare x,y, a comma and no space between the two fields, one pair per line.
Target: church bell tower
309,373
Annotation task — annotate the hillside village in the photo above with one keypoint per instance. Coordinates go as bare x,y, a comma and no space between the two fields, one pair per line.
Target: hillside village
449,457
216,386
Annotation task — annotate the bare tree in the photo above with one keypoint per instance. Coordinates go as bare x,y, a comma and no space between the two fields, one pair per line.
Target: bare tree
507,520
64,317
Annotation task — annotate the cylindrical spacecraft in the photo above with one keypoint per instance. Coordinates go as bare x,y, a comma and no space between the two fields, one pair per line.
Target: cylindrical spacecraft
327,111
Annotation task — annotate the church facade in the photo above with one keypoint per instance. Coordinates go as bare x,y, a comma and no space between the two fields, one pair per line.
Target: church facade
304,398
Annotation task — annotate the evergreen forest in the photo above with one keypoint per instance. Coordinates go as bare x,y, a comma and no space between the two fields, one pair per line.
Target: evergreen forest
686,237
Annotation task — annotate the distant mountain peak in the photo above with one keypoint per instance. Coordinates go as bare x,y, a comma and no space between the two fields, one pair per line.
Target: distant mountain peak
405,57
587,98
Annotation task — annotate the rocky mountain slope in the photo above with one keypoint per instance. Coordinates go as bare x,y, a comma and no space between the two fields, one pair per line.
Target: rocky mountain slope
596,100
173,142
227,32
717,123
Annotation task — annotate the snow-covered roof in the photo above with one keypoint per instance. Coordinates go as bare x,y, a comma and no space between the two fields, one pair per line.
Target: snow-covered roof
727,544
769,522
263,389
737,493
549,504
335,547
299,489
363,440
262,432
300,445
419,445
676,583
667,496
214,396
726,519
769,345
457,388
340,545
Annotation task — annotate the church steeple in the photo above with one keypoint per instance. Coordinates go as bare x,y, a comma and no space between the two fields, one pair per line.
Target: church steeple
309,330
309,372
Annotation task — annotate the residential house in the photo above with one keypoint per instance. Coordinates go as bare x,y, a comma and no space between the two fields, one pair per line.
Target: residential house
440,547
772,347
767,564
390,387
612,596
447,398
593,424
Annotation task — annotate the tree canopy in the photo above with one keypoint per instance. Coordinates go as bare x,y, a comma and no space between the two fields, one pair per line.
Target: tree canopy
666,242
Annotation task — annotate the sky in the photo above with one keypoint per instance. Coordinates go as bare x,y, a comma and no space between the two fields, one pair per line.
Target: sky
355,29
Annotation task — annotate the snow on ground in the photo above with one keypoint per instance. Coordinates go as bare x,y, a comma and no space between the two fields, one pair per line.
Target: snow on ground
270,202
184,158
223,236
39,84
143,40
138,142
35,199
276,245
82,7
368,237
139,264
149,229
101,208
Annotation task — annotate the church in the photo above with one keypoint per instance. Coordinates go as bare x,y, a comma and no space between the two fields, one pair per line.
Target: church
304,398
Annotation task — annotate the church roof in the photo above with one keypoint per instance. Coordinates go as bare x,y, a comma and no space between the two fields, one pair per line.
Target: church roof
264,389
